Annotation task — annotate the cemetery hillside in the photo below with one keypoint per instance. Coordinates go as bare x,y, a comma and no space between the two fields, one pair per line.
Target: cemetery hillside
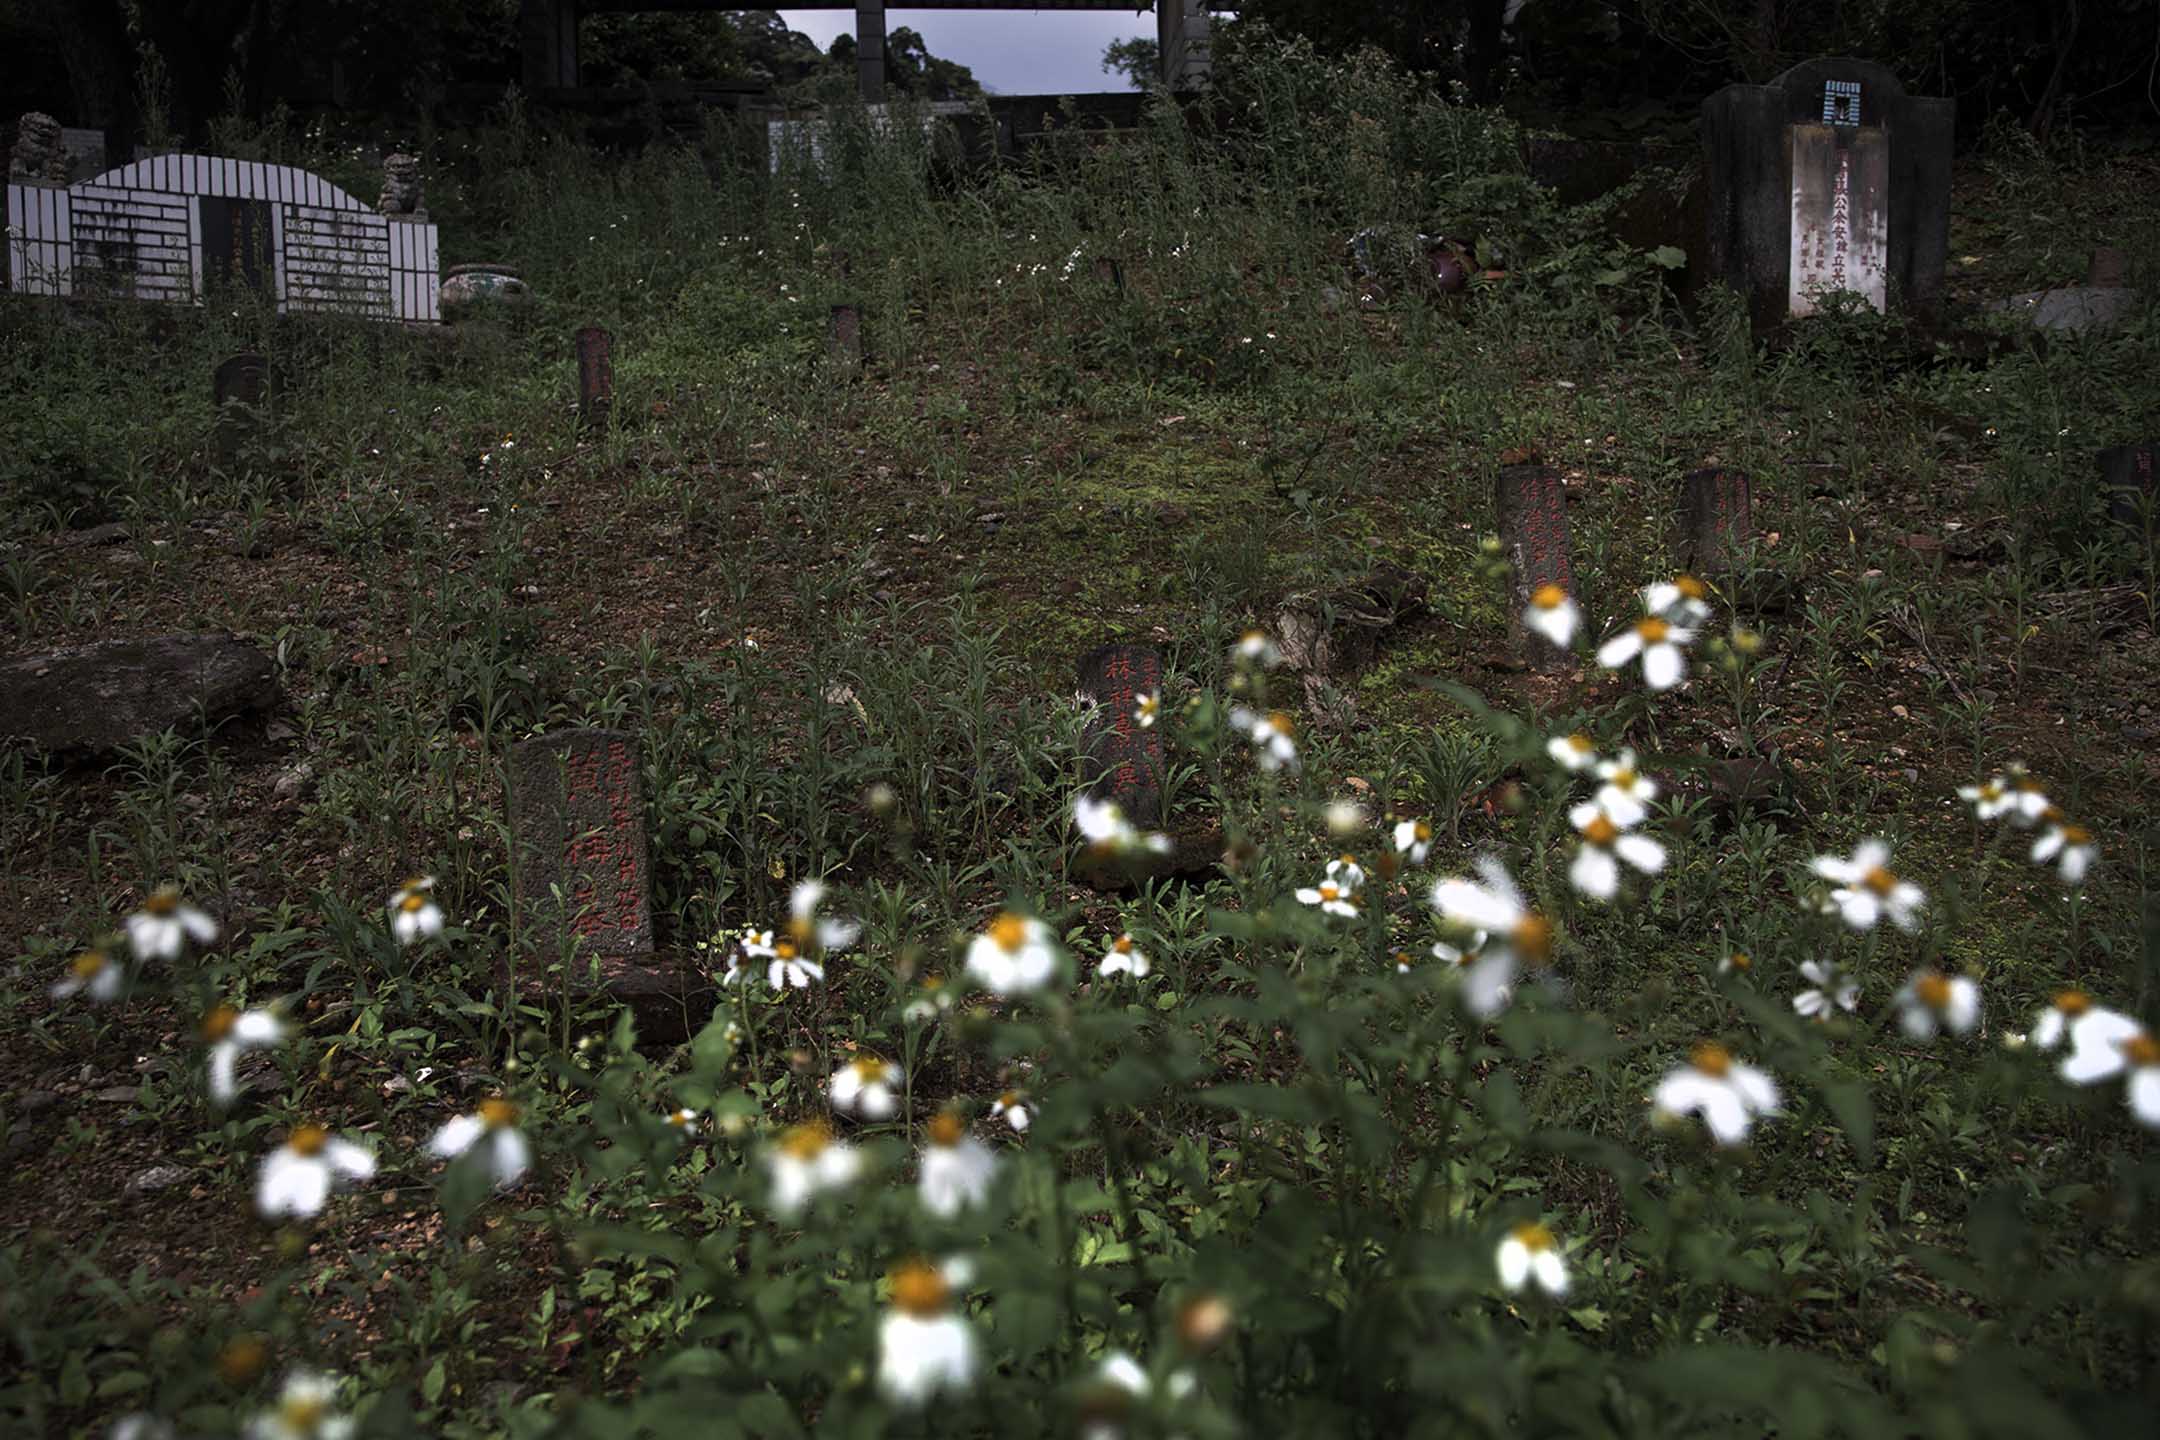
1431,727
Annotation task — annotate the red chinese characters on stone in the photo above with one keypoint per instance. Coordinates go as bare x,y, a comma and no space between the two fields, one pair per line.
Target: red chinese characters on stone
607,890
1127,758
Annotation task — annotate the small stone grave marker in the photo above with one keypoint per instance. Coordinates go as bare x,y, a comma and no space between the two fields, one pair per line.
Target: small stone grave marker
1830,178
1126,757
2126,478
844,340
241,390
596,377
578,818
1717,520
1533,527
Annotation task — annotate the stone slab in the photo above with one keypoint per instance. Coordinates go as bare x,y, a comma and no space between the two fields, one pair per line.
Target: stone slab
93,699
1126,760
577,815
596,377
1717,520
2127,480
1534,529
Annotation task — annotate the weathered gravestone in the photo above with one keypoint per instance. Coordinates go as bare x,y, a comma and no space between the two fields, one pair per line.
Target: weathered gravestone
1534,530
1830,178
844,340
1125,756
578,819
241,390
2126,478
1717,520
595,377
93,699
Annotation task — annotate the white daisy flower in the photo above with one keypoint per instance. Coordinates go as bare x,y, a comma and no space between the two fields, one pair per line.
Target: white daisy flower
1254,648
1107,832
1574,753
1513,935
1554,614
806,1161
414,915
1990,800
1013,1109
935,1000
303,1412
1658,641
1273,734
1736,960
1344,817
165,923
1596,871
756,945
1332,898
1832,991
1531,1253
140,1427
812,931
2068,1011
93,974
1627,792
1346,872
1684,600
2141,1056
2071,846
866,1086
1868,889
231,1032
789,966
1014,955
1146,706
2014,793
506,1154
924,1344
1727,1093
1933,1001
1413,838
1124,958
956,1167
297,1177
2097,1037
684,1122
1120,1382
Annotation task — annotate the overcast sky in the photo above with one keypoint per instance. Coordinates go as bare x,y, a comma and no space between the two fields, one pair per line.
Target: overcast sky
1012,52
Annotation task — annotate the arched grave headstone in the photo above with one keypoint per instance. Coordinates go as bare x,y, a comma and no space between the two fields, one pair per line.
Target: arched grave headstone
1717,520
1830,178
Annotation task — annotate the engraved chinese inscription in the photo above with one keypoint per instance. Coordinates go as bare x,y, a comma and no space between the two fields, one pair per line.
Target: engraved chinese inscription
1127,758
578,819
1840,215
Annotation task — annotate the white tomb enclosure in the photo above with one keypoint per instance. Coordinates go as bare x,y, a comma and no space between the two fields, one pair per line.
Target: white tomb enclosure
165,227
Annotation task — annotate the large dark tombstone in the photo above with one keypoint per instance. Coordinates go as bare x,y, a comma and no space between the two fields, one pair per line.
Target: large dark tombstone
1125,756
1534,530
577,820
595,377
236,238
241,392
1830,178
2126,478
1717,521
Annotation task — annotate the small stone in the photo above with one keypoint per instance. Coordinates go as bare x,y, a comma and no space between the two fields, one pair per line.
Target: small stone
118,1094
36,1102
294,782
157,1177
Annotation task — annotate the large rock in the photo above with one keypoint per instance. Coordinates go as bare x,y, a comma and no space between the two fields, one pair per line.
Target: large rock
96,698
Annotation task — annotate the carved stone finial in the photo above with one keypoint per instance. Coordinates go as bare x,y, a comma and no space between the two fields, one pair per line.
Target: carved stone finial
39,154
401,185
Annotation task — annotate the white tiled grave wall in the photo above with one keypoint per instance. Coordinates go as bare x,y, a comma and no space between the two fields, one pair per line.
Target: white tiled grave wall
140,229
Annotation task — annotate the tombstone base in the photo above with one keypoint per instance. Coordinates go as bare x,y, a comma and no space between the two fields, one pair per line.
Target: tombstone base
1194,855
667,999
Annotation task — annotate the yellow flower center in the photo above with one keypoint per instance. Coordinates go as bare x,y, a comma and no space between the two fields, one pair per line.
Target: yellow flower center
1532,1235
2141,1049
1252,640
219,1022
1281,723
414,902
1349,862
869,1069
1533,938
807,1141
1993,790
87,965
1623,779
241,1359
1712,1059
1421,832
497,1113
1653,630
2054,815
1547,597
1933,990
1124,945
801,928
2028,786
2073,1003
2076,835
681,1119
1691,587
1404,959
302,1413
919,1290
946,1129
1880,880
1328,893
308,1140
784,950
1739,960
1601,831
1008,932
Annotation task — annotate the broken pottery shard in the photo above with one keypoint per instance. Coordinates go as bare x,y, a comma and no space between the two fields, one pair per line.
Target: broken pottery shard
1126,758
1717,520
1533,528
96,698
578,819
